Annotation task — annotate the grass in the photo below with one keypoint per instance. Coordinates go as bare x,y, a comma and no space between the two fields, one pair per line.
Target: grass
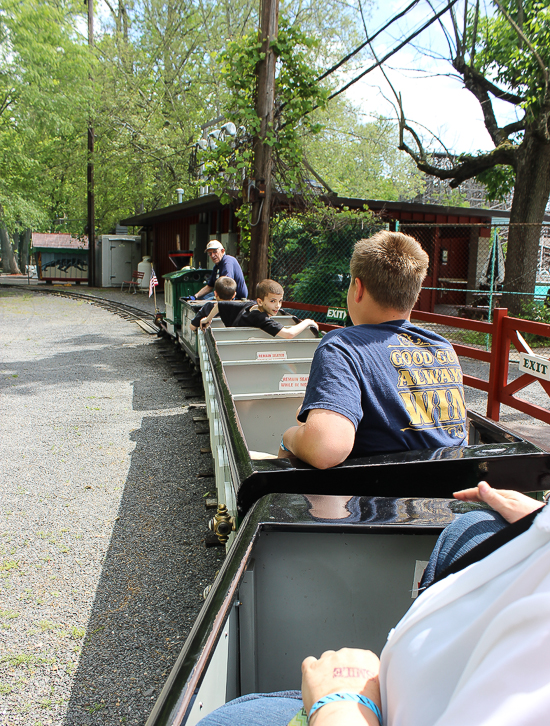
8,614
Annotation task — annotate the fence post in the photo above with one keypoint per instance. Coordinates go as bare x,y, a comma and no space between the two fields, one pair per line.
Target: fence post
497,369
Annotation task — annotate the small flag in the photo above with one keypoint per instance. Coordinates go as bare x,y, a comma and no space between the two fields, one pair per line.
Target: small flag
153,282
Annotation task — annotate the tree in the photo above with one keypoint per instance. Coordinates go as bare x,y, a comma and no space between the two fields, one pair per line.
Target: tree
359,158
44,93
506,56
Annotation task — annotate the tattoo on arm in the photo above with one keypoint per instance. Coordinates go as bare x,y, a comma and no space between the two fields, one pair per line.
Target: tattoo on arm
352,672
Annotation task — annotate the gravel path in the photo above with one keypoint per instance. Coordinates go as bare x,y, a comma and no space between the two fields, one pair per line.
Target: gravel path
102,563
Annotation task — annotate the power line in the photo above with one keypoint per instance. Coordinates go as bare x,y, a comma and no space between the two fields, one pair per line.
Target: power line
394,51
367,42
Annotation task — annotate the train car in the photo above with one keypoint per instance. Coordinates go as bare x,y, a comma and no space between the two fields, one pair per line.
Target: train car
316,559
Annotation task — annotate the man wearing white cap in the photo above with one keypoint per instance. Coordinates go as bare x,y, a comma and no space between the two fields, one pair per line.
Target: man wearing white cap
224,266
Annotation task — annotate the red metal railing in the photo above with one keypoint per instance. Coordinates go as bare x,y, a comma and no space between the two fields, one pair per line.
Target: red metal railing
504,332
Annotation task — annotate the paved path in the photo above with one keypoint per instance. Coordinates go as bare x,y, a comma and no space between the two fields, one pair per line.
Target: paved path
102,564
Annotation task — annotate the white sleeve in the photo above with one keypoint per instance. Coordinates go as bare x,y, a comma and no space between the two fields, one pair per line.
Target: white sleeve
507,679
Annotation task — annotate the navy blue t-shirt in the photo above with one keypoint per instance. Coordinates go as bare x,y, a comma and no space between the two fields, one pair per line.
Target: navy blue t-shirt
229,267
400,386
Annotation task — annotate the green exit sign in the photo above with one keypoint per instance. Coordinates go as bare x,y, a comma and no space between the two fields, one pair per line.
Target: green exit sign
337,314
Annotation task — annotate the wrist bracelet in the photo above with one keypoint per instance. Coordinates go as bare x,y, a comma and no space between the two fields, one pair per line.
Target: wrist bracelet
347,696
283,447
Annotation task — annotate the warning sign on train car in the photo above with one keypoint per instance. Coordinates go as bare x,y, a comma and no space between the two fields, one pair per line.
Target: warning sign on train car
535,365
271,355
293,382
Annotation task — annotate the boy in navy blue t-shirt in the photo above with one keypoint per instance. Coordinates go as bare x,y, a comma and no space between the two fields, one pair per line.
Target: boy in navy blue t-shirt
225,288
383,385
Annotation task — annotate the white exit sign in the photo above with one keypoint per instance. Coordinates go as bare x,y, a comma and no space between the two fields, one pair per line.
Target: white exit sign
337,314
535,365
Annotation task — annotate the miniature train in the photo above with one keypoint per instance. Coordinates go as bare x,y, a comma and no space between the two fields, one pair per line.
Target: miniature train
297,537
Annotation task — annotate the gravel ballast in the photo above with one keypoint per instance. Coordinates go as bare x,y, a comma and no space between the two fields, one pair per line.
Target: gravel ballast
102,555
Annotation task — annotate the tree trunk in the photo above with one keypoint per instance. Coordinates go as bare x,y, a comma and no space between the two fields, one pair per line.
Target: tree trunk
24,244
531,192
9,264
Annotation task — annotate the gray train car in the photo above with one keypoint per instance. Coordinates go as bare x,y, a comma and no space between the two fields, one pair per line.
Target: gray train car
297,537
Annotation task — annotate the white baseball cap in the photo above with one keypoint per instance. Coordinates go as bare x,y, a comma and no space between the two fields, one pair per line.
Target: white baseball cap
214,244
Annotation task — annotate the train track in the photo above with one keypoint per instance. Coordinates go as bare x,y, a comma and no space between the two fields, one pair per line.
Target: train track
144,319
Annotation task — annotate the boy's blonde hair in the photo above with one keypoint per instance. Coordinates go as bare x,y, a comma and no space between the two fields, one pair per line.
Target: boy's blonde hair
392,267
225,288
265,287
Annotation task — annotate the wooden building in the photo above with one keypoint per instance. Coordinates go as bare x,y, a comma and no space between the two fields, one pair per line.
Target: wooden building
457,239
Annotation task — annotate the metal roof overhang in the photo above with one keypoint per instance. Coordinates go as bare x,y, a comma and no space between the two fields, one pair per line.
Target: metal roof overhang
211,202
208,203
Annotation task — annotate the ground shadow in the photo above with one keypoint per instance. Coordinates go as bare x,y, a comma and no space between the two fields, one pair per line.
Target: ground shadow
150,588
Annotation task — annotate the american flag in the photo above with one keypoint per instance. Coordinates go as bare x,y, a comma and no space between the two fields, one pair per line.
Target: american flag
153,282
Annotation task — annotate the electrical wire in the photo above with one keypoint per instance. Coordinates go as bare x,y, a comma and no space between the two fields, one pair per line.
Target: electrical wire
369,40
394,50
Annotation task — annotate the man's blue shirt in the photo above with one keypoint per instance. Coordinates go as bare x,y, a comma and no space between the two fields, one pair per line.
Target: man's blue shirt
400,386
229,267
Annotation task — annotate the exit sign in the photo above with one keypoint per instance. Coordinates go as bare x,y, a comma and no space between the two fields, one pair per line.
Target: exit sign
339,314
535,365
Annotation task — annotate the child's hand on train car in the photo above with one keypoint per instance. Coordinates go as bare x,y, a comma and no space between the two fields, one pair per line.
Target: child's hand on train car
509,504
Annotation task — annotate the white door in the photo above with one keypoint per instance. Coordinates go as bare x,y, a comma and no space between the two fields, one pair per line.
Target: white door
121,261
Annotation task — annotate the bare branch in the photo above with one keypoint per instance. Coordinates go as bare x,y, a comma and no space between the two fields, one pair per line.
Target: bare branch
471,166
514,127
444,29
474,35
459,48
466,70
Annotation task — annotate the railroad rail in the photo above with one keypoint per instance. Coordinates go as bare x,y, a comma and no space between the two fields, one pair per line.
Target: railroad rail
144,319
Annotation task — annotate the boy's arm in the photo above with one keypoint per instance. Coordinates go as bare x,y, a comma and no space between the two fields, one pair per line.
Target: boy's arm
326,439
292,331
205,322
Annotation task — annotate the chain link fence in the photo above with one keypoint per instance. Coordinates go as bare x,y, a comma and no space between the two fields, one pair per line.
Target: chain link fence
310,258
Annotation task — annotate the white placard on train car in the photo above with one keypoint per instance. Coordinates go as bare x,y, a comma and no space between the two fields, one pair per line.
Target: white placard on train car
271,355
535,365
293,381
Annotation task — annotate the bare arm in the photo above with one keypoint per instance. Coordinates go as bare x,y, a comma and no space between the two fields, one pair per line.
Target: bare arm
203,291
509,504
205,322
325,440
348,669
291,332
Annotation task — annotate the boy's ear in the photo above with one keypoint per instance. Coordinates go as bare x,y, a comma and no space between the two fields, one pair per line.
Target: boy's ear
234,295
359,290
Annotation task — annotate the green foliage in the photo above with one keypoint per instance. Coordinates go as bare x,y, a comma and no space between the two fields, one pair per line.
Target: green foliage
538,312
311,253
45,92
499,182
359,158
502,55
296,93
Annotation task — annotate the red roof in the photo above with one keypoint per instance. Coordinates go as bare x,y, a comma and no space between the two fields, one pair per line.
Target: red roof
59,240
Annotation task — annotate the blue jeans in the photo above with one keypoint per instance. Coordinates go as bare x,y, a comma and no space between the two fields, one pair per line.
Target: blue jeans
460,537
257,709
208,296
276,709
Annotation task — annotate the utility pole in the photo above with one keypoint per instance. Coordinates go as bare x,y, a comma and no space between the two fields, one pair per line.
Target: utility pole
90,169
263,164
